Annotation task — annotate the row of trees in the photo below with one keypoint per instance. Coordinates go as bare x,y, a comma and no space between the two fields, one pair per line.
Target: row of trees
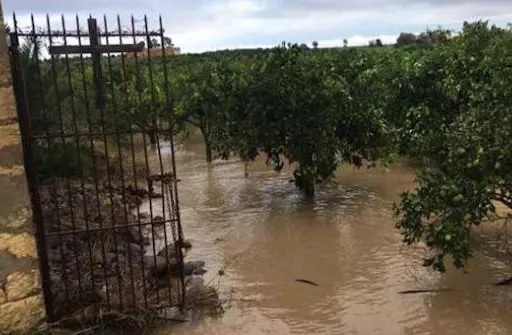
446,105
429,37
293,104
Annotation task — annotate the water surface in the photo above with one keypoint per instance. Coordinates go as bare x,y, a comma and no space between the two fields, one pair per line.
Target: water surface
266,235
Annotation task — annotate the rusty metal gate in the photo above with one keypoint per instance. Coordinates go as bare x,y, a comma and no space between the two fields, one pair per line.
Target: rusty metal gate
97,126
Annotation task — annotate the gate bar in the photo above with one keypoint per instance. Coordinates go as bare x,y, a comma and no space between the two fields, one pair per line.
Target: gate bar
92,49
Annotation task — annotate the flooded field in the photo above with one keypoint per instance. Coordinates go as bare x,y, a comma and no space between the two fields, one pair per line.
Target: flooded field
265,236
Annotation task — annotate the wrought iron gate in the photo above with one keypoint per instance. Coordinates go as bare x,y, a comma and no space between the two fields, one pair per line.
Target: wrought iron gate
96,120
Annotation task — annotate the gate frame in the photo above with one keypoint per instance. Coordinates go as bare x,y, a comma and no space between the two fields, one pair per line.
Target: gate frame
20,95
27,135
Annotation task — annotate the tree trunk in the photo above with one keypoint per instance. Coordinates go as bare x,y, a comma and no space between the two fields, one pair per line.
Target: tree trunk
153,131
208,149
305,181
309,187
152,137
246,172
207,145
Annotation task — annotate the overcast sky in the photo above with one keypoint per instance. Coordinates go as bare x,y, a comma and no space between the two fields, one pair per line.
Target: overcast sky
199,25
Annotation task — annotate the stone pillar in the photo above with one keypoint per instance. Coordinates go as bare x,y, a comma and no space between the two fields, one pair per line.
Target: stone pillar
21,302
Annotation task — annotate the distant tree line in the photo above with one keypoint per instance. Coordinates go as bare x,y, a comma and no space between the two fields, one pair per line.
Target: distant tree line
429,37
376,43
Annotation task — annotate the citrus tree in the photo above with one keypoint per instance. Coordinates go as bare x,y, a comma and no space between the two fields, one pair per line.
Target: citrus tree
305,110
204,98
468,173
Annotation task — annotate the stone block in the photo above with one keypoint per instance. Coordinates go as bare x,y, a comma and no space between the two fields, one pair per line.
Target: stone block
5,78
16,195
22,316
10,263
5,73
22,284
7,110
11,155
3,296
13,171
19,245
9,135
21,218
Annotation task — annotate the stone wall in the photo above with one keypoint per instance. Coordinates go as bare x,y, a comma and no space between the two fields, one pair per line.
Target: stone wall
21,303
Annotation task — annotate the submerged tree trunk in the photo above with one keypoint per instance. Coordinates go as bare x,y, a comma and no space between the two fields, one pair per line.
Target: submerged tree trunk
153,132
207,145
305,181
152,137
208,149
309,187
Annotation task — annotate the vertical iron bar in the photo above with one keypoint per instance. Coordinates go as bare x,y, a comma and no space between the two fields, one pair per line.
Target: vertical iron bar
170,106
155,122
119,152
95,172
81,171
94,36
59,111
30,169
71,207
132,149
174,181
138,75
96,61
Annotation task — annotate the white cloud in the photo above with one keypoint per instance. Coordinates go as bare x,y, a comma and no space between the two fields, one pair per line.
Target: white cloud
237,7
242,20
199,25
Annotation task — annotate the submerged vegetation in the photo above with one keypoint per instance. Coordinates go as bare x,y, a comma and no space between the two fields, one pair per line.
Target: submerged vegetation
446,104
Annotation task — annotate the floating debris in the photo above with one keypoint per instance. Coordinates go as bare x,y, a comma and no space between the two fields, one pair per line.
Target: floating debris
305,281
425,291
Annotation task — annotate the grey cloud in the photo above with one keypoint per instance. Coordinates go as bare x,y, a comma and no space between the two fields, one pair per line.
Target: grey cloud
463,2
311,6
179,15
58,6
74,6
334,4
274,8
351,4
190,16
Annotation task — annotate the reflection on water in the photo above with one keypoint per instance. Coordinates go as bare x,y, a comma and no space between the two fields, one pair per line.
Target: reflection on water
268,236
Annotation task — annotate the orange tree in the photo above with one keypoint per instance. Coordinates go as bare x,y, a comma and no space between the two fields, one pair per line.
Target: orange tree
470,151
299,107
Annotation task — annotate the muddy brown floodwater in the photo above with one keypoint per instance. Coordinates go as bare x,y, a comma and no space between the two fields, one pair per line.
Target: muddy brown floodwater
266,236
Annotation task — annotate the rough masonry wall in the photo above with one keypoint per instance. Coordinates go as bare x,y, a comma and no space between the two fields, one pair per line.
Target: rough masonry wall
21,303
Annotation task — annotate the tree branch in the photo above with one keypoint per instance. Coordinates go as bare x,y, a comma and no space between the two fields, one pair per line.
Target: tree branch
194,123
